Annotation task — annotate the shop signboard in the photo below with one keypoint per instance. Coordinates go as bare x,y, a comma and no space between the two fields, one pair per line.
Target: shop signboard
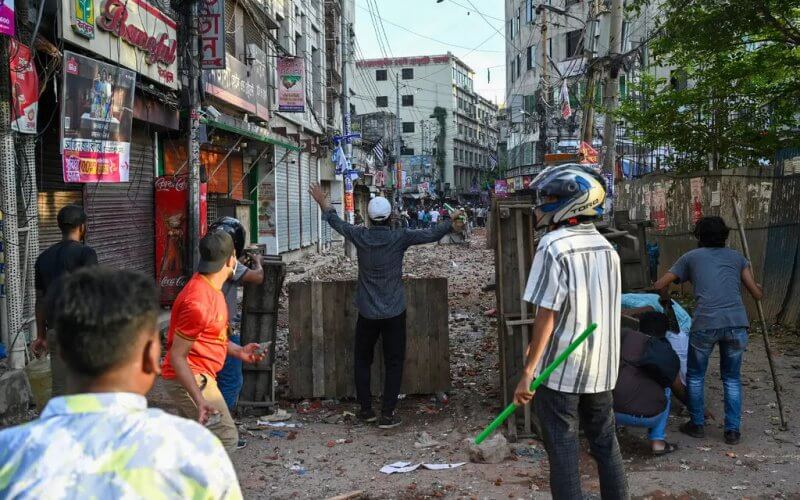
171,209
241,85
24,88
97,114
212,34
7,16
132,33
267,218
291,86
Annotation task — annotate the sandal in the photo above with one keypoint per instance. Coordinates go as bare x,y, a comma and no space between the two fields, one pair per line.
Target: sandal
668,448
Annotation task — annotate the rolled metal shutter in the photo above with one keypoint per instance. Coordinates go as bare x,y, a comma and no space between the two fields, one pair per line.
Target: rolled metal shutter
294,201
305,198
281,199
120,225
313,207
50,202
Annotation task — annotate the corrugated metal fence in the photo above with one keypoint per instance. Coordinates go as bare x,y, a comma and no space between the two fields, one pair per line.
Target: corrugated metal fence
770,208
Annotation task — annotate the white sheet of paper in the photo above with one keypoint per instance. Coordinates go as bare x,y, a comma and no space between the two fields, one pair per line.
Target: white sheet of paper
442,466
388,469
261,423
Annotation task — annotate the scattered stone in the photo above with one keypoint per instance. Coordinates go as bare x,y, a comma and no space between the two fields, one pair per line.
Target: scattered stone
492,451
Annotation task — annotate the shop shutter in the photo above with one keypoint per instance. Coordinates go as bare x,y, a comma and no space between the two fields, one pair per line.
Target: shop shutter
281,201
294,201
120,224
50,202
313,207
305,198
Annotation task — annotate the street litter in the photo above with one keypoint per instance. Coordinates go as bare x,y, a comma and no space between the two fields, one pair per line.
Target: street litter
425,441
277,434
279,416
262,423
739,488
402,467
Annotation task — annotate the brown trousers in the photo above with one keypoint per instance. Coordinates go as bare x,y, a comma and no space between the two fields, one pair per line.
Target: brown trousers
225,429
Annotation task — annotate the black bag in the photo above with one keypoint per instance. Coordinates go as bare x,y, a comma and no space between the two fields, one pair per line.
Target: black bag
659,361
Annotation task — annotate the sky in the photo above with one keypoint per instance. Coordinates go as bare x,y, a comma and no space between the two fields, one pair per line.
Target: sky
453,25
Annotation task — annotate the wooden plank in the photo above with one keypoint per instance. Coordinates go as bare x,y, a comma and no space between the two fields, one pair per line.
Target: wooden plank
442,348
300,356
318,353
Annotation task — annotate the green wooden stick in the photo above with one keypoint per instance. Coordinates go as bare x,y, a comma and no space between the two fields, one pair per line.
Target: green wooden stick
536,383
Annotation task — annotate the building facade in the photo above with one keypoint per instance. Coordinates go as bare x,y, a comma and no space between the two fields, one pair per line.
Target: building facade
445,128
547,44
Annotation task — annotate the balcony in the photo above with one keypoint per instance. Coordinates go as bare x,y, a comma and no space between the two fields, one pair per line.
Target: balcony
267,8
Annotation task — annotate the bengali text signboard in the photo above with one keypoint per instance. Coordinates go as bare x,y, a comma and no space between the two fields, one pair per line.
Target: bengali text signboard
291,87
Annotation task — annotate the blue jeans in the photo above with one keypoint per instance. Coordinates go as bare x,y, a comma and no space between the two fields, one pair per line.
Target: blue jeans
657,424
732,343
230,378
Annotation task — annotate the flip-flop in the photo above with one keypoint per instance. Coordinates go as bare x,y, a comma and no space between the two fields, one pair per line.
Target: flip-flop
668,448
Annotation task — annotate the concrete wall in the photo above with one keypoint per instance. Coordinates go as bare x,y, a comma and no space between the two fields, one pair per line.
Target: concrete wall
770,213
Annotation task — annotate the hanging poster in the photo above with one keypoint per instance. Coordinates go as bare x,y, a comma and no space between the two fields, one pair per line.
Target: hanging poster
97,111
500,188
24,88
211,18
82,17
267,218
696,188
291,87
7,24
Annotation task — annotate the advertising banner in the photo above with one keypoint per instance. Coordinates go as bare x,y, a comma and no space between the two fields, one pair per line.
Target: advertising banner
132,33
500,188
172,203
97,111
696,185
241,85
291,87
7,15
212,34
267,218
24,88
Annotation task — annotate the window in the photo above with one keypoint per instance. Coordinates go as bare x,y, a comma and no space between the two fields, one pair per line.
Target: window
568,3
408,127
510,29
531,57
530,11
408,100
574,43
513,71
519,16
408,73
352,109
382,101
460,129
407,151
519,65
380,75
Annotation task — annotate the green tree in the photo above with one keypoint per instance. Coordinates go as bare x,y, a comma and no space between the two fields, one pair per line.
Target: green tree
740,59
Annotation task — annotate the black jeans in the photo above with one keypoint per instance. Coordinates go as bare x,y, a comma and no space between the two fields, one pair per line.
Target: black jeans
393,331
559,414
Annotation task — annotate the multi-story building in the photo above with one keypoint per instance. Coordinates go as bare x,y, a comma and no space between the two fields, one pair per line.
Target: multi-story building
440,116
577,32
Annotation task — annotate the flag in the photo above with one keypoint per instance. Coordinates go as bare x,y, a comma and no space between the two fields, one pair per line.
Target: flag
340,159
493,160
588,155
377,150
566,109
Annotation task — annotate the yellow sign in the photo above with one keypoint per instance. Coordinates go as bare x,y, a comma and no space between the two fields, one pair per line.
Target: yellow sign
82,14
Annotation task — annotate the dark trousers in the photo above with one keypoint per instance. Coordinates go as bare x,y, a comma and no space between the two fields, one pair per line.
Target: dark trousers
559,415
393,332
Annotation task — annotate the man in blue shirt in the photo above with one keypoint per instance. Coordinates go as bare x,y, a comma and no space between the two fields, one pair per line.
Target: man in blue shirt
717,274
380,298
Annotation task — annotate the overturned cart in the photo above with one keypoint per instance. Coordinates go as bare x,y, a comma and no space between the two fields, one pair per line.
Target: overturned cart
514,241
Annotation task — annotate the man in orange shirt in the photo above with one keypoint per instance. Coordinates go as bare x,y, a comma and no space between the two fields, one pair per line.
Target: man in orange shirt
197,341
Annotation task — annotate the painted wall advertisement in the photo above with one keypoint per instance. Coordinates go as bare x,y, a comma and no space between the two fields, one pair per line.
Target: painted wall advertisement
133,33
696,187
212,34
97,111
7,24
291,87
658,213
24,88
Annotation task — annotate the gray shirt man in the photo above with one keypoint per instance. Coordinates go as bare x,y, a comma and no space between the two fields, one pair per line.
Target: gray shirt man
380,293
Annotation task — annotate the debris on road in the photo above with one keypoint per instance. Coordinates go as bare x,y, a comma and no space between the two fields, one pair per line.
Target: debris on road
492,451
403,467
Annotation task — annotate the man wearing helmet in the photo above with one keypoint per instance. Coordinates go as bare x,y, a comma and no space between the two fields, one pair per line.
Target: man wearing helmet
574,281
247,270
380,298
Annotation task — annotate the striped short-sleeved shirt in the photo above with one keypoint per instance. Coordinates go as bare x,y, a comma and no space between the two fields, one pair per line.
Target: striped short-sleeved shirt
576,272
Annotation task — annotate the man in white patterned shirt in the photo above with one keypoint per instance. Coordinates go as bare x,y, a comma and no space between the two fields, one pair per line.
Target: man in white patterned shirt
574,282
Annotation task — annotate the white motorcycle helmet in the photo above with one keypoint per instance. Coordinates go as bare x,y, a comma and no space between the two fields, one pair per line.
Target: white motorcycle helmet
579,193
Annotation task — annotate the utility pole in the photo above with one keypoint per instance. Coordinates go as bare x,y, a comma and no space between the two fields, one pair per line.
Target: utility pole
193,141
587,120
344,101
422,139
398,167
611,91
543,90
